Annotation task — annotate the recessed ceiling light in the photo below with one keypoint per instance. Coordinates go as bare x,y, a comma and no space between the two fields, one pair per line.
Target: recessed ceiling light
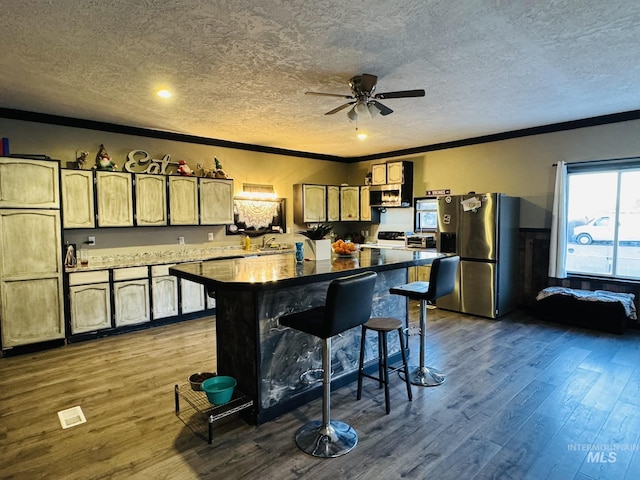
164,93
362,136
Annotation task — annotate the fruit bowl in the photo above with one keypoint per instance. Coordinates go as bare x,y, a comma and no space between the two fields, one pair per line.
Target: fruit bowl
344,249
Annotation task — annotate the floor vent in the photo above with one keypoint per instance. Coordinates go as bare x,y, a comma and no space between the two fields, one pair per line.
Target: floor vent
71,417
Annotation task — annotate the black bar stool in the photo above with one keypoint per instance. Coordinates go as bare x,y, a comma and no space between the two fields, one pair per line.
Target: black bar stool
348,305
383,325
442,281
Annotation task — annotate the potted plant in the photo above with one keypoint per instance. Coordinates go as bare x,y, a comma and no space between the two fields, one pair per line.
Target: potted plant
316,246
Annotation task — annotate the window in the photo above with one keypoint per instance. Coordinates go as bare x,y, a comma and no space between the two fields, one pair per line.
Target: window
426,215
603,219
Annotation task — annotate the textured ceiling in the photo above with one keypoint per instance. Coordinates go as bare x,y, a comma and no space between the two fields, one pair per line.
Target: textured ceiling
239,68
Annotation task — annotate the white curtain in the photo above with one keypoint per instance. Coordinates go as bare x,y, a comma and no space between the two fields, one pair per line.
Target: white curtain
558,247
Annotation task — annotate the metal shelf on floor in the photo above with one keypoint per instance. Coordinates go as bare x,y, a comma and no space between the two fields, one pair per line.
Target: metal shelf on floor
199,402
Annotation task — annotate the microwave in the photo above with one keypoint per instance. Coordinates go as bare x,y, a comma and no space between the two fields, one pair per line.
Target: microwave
421,241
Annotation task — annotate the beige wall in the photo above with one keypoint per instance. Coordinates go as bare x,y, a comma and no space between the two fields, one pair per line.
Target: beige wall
520,167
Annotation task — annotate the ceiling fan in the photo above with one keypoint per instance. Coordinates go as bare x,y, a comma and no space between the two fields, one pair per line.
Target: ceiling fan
363,98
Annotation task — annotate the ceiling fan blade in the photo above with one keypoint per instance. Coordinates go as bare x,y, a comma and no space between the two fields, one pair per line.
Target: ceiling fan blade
329,94
368,82
341,107
384,110
401,94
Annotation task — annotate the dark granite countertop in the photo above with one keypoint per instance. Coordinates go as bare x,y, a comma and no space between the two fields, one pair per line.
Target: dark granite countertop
281,270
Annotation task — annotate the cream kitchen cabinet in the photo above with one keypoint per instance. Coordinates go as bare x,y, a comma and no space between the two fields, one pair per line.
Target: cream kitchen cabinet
115,199
365,208
379,174
192,296
29,183
395,173
310,203
31,295
31,286
349,203
89,301
131,296
164,292
78,208
333,203
151,200
183,200
216,201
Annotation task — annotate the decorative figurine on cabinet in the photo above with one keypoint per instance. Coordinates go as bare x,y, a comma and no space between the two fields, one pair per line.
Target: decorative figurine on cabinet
205,172
184,169
220,173
103,160
81,160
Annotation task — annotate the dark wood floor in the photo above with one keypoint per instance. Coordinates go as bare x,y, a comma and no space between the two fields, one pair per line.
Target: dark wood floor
522,400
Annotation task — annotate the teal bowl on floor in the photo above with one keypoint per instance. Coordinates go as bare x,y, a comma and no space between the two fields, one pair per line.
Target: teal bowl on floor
219,390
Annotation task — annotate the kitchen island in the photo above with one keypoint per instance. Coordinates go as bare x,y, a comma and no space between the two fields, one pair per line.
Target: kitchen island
273,364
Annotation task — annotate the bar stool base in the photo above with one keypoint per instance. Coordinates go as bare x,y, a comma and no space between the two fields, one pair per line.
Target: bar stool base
424,376
336,440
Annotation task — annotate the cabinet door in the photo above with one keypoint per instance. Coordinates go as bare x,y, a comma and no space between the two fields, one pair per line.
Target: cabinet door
333,203
165,296
183,200
151,200
365,208
115,199
314,199
29,183
131,302
90,307
379,174
216,201
77,199
349,203
31,297
192,296
395,173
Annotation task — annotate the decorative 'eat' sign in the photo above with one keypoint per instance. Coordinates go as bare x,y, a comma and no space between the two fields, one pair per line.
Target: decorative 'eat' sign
154,166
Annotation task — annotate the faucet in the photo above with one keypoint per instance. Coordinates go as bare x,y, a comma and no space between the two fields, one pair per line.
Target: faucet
267,241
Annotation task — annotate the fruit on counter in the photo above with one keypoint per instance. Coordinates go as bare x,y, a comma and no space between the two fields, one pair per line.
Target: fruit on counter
344,248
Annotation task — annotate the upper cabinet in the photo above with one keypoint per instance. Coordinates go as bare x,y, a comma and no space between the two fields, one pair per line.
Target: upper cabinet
310,203
151,200
333,203
349,203
29,183
216,201
78,210
115,199
379,174
365,208
395,172
183,200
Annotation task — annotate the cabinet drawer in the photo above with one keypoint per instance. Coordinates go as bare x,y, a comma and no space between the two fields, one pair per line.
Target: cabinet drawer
84,278
129,273
161,270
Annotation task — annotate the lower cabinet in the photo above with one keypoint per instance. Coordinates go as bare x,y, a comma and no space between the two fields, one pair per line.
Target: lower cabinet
164,292
89,301
131,296
192,296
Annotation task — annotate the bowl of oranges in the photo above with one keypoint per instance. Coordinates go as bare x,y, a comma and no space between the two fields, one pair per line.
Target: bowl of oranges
344,249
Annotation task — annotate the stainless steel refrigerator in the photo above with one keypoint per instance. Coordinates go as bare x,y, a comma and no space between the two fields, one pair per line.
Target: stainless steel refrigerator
483,229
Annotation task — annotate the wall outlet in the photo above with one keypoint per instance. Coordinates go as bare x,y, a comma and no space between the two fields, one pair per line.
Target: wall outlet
210,236
91,240
180,240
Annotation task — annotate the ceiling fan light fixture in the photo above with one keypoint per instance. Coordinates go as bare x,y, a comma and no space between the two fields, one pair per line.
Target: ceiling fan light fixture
352,114
373,109
361,108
